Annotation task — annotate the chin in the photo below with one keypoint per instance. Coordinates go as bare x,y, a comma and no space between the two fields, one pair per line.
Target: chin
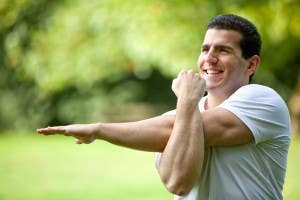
211,85
213,88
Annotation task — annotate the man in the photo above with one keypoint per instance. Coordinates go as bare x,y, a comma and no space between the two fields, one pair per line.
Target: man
232,143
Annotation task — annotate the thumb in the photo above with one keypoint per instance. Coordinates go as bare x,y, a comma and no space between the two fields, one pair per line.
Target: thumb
78,141
174,84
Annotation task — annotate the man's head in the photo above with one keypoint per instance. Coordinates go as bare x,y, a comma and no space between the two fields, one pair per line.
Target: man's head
229,54
250,43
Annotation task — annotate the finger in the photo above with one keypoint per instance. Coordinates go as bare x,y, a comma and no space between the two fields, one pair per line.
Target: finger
83,141
186,72
174,82
179,74
52,130
183,71
198,75
45,131
201,74
78,141
174,85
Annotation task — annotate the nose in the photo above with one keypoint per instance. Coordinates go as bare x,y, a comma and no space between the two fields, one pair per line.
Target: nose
207,57
211,57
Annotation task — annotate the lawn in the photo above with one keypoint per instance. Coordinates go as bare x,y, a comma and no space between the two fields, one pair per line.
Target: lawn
33,167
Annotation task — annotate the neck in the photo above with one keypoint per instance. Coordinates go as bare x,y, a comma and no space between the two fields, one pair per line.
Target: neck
216,97
214,100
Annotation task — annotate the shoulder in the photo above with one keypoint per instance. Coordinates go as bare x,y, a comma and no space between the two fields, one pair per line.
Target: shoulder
258,99
261,108
256,90
258,95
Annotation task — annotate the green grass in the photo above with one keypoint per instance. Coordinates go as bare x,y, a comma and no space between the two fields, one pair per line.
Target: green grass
38,167
33,167
292,184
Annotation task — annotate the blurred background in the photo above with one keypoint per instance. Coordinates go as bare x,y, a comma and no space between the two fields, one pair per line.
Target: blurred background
74,61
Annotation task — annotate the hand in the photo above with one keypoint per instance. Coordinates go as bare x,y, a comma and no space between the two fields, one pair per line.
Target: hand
188,85
84,133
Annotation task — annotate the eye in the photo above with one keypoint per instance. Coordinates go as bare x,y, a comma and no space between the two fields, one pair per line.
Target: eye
204,49
223,49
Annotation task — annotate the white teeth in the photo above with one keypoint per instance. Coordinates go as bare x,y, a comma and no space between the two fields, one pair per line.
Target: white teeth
212,71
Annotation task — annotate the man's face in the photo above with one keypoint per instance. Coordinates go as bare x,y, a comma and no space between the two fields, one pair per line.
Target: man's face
221,63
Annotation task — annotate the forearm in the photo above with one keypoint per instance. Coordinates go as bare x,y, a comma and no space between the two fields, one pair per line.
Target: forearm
147,135
181,162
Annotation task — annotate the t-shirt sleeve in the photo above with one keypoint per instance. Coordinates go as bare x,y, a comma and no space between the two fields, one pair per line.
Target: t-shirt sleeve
262,110
171,112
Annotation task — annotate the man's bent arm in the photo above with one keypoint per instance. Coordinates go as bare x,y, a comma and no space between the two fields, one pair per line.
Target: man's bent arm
181,162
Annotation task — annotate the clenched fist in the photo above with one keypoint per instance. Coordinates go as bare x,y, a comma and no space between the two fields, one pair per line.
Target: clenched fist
188,85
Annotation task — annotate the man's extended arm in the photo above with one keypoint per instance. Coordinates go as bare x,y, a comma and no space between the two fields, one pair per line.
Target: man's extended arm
221,128
147,135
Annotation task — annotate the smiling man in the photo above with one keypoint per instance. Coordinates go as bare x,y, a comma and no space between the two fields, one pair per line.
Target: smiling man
230,144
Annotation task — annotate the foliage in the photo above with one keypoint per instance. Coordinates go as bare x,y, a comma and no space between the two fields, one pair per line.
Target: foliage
20,104
66,61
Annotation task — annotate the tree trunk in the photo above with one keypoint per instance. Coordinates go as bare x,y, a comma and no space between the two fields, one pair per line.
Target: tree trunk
294,106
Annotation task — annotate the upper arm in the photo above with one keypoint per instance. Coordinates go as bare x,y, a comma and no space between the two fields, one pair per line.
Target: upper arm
223,128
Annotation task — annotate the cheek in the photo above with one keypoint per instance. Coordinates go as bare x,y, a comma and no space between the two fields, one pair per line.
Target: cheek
200,61
233,64
237,70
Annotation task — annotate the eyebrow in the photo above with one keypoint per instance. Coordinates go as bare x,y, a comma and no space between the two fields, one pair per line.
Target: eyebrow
218,46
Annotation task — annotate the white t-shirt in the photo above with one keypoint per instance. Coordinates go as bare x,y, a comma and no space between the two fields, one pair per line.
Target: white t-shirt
251,171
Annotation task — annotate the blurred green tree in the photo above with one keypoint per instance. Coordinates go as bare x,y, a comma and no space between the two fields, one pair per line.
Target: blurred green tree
19,103
98,60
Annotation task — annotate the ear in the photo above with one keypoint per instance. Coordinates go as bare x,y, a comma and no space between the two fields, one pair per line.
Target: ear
253,63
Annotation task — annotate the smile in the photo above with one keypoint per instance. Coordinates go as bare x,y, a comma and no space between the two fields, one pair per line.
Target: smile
213,72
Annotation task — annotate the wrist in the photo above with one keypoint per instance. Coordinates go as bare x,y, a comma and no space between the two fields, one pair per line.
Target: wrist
187,103
96,130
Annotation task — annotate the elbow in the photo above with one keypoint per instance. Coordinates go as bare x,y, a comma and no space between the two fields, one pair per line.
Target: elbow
177,186
179,189
179,182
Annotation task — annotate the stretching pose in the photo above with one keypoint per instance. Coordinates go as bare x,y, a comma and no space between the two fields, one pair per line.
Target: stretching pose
230,144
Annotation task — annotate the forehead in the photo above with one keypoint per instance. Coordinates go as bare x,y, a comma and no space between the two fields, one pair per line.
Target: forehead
222,37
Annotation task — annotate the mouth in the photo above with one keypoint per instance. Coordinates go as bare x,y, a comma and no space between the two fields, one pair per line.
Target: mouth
212,72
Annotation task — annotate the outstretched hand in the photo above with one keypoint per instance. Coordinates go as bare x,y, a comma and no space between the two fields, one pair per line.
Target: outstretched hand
84,133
